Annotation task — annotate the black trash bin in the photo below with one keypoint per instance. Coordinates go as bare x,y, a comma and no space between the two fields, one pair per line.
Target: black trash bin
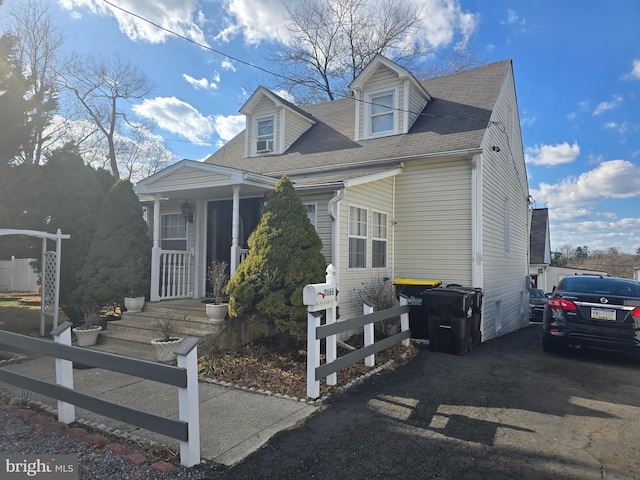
476,312
449,314
413,290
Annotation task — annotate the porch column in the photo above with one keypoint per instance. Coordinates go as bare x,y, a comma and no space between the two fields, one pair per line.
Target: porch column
235,230
154,295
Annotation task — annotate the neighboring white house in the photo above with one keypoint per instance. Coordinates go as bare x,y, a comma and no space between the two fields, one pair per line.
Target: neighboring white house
405,179
544,275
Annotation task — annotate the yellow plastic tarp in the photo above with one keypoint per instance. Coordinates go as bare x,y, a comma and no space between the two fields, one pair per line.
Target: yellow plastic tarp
417,282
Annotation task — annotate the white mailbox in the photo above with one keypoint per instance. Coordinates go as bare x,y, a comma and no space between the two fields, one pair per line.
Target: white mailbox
319,296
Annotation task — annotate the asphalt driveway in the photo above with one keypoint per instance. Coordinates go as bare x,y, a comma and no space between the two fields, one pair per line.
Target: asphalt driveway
505,411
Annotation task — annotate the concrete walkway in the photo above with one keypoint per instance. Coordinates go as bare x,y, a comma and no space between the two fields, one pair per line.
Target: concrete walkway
233,422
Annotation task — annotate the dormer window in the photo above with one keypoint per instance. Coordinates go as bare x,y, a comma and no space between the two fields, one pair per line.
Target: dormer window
382,113
264,143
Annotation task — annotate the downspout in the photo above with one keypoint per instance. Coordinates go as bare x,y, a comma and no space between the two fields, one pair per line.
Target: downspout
333,210
476,222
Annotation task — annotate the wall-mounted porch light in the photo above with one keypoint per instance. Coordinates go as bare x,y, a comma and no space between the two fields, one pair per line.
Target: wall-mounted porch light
187,211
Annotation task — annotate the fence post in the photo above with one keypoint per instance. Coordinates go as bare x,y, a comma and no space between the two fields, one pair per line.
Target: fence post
404,320
188,403
369,335
64,373
313,354
331,341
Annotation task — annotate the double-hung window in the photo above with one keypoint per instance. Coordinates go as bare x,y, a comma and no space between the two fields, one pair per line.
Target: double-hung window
378,240
265,135
311,214
173,232
357,237
382,113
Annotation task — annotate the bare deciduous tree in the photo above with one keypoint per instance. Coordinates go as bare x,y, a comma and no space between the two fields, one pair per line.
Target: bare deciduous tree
103,87
38,44
328,44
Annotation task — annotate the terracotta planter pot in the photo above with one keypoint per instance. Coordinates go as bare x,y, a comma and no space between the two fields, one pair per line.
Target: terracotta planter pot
217,313
165,350
87,336
134,304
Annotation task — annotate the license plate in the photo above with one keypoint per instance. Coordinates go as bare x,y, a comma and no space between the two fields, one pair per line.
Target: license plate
603,314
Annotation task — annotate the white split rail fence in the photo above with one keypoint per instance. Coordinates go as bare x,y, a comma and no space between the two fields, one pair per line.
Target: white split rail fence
321,300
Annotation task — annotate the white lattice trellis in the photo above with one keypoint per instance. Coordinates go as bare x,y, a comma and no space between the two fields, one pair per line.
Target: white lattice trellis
49,283
50,271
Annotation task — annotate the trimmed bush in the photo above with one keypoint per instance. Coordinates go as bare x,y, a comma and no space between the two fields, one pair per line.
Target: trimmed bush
284,256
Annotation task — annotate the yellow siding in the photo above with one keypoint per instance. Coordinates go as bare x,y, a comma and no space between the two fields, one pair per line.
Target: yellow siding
372,196
433,215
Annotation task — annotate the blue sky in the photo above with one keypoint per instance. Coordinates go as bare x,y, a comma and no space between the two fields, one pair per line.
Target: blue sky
576,63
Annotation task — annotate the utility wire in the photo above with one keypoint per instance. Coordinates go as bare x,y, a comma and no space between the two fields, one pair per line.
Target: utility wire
284,77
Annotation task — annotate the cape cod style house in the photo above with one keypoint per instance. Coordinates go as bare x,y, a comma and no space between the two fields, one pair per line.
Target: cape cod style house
405,179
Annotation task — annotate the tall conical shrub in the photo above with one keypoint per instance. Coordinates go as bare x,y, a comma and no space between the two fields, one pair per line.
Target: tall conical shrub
120,238
284,256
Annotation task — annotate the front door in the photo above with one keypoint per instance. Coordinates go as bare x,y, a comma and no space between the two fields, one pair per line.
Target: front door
219,228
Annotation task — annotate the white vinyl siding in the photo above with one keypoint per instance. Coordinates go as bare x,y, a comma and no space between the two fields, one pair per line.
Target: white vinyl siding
417,102
187,178
504,182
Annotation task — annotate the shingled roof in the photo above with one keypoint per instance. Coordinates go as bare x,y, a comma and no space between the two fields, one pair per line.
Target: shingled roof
454,120
538,235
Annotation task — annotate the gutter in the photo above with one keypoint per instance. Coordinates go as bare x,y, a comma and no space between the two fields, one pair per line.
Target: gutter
468,152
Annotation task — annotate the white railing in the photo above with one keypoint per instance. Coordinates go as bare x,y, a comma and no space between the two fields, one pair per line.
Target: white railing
175,274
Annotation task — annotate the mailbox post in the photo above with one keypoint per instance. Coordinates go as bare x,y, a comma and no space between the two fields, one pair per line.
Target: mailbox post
318,297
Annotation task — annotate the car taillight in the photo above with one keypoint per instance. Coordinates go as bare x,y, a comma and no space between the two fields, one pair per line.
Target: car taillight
636,312
561,304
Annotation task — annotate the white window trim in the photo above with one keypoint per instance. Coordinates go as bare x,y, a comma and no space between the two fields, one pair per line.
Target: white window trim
380,239
255,137
395,110
360,237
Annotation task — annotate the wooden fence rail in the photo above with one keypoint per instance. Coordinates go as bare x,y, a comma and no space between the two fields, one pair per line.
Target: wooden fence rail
184,376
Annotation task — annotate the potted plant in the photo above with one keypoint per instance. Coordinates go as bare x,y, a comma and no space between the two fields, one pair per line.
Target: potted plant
133,275
218,278
87,333
165,346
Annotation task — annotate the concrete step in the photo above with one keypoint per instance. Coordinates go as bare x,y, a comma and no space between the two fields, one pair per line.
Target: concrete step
153,330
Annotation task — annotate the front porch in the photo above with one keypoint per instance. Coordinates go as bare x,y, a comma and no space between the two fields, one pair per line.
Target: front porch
198,213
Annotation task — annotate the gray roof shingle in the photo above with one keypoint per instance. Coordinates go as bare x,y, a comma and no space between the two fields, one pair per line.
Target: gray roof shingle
456,119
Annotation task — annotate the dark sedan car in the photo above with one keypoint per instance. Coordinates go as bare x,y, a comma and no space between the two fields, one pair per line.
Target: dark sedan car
537,302
593,311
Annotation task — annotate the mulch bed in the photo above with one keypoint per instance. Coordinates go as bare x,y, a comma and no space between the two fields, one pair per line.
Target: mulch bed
268,366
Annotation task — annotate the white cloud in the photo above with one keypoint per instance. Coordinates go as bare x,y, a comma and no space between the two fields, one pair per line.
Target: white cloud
203,83
229,126
550,155
228,65
179,16
604,106
286,95
612,179
177,117
440,21
634,74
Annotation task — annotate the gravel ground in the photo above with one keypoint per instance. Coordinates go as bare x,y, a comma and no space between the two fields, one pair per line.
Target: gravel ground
27,432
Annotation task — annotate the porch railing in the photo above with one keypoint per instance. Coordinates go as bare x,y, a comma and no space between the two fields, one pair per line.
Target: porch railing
175,274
